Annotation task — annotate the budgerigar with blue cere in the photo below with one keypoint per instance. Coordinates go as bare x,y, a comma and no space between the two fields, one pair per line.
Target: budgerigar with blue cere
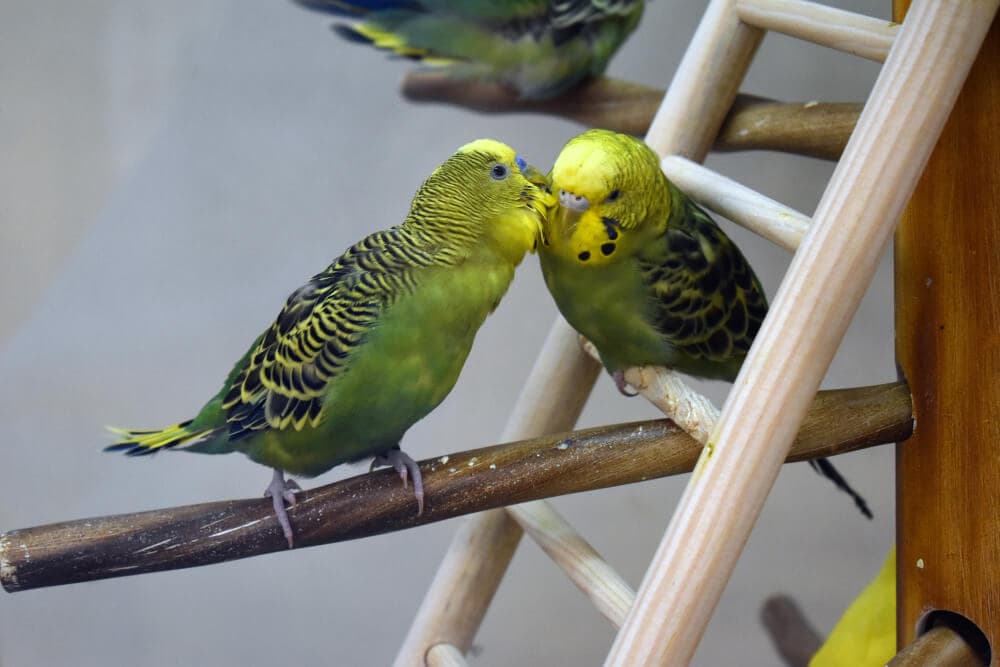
539,47
376,341
643,272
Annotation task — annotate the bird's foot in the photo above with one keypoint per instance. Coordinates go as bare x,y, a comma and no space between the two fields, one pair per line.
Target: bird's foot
407,469
282,491
619,378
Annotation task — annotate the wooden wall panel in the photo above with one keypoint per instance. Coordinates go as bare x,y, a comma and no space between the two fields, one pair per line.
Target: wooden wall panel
947,257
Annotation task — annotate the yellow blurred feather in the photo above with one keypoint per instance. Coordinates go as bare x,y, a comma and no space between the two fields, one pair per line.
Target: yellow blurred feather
866,633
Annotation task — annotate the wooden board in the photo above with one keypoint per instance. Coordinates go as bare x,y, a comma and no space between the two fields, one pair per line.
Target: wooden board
947,258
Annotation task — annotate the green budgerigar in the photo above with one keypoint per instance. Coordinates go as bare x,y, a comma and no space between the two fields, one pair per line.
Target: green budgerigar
372,344
644,273
539,47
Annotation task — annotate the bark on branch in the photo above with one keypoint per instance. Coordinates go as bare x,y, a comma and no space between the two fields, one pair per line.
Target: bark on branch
471,481
815,129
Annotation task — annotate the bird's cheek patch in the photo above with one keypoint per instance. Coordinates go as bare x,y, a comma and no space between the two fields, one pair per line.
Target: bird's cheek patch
592,245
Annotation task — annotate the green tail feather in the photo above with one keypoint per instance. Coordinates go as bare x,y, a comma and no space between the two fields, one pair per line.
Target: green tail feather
140,443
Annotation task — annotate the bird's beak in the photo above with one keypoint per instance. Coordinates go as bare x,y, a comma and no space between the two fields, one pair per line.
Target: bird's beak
534,200
567,214
573,202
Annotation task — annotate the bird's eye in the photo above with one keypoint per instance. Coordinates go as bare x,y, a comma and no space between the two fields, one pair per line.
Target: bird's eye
499,172
614,195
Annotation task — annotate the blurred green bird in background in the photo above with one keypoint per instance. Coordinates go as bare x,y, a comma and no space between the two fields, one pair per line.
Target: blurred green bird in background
644,273
375,342
538,47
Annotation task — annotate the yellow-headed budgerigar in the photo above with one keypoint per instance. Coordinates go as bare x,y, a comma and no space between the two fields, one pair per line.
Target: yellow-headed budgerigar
539,47
372,344
644,273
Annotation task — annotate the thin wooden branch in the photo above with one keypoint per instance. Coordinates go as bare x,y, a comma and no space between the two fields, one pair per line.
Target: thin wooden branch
668,390
815,129
603,102
780,224
793,636
941,647
472,481
860,35
820,293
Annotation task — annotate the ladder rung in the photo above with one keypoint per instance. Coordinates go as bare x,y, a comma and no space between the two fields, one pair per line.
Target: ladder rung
605,588
691,411
861,35
746,207
444,655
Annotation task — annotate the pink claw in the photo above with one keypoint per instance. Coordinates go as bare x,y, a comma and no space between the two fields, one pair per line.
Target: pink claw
619,378
282,491
407,469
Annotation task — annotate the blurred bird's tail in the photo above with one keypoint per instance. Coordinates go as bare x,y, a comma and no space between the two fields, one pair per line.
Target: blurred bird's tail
384,25
139,443
825,468
359,7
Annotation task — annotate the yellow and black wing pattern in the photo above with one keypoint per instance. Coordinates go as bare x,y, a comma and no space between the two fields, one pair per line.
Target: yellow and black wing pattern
707,301
283,379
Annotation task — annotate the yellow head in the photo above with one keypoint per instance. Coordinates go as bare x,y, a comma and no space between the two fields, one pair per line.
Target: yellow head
611,196
480,196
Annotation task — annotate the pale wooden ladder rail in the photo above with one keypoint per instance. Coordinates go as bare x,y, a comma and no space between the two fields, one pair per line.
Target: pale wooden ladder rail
818,296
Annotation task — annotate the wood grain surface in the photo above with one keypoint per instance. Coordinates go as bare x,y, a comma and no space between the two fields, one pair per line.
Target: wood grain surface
812,128
470,481
947,258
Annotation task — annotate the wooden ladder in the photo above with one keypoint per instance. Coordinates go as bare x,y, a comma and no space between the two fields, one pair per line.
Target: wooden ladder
927,58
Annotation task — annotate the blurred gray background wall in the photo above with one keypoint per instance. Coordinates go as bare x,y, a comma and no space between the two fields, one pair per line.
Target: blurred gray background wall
169,172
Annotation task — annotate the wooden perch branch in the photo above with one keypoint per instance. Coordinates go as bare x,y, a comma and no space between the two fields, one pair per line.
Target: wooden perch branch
940,646
816,129
793,636
472,481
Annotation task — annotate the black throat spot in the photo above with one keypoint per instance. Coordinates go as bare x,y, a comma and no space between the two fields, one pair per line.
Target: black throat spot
611,228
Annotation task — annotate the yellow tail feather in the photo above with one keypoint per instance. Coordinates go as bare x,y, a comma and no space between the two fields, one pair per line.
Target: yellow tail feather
139,443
